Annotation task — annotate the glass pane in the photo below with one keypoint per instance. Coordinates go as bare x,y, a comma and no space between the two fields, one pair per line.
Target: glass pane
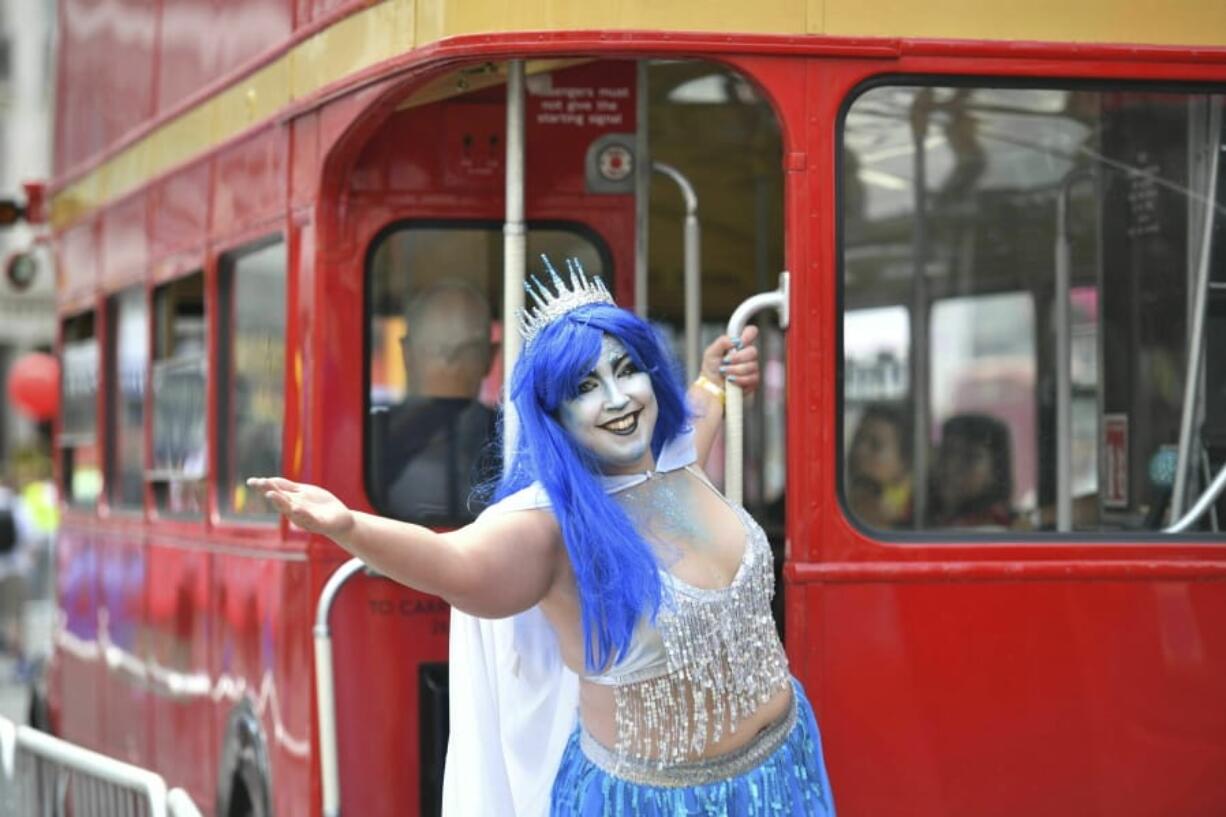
252,393
877,427
1046,243
129,358
435,371
982,400
180,460
82,476
79,420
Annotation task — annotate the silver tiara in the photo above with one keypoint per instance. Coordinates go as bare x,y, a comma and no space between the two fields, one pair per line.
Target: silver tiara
549,307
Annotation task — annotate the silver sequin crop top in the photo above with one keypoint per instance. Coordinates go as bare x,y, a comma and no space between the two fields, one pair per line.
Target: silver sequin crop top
711,659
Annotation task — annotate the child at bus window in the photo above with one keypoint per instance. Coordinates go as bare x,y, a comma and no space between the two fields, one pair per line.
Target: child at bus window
427,449
973,481
615,583
879,468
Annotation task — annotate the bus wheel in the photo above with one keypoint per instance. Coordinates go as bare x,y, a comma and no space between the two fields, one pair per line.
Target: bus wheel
242,781
248,802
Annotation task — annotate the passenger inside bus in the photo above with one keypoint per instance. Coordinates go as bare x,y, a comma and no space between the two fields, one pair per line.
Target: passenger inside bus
973,479
429,447
879,487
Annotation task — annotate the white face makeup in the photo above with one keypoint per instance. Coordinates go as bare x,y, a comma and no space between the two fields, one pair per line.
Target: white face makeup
614,413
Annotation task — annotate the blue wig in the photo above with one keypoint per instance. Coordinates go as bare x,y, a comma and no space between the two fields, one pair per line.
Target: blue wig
614,567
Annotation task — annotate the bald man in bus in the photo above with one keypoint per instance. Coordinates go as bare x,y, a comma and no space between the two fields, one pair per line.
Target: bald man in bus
428,449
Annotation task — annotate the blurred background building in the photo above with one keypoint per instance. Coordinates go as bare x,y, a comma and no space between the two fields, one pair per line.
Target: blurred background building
27,38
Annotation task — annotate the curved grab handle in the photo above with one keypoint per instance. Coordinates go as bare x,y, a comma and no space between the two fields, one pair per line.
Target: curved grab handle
325,696
734,410
1206,499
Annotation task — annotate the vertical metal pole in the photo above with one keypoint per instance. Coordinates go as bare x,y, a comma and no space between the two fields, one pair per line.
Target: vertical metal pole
919,310
693,269
759,437
1196,334
642,189
693,294
514,251
325,701
1064,346
1064,380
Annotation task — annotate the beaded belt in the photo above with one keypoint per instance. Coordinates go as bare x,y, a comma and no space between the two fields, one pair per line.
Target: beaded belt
647,772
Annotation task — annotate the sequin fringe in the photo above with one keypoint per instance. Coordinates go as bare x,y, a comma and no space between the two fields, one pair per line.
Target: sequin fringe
724,661
790,782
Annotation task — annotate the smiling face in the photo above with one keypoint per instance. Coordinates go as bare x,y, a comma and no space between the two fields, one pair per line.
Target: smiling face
614,412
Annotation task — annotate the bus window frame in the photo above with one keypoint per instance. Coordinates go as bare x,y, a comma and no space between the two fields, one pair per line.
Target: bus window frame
154,476
954,536
72,440
111,363
375,241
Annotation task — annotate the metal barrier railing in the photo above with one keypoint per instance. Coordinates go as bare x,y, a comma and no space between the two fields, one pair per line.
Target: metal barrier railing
43,776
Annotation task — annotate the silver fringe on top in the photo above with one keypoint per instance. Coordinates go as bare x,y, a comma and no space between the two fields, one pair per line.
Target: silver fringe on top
724,661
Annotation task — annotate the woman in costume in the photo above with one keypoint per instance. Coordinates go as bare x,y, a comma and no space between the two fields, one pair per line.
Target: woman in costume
613,579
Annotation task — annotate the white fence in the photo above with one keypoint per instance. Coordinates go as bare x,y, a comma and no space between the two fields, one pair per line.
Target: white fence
43,776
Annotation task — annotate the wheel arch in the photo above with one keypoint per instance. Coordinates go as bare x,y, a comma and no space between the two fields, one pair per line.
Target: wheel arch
244,764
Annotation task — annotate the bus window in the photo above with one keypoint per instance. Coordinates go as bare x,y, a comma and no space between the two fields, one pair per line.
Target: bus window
986,213
78,439
982,385
435,371
877,431
179,370
127,361
251,371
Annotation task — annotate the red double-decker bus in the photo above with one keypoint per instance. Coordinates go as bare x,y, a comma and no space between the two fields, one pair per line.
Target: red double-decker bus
999,393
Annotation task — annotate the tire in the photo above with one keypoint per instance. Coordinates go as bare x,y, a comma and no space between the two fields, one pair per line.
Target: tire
242,801
243,782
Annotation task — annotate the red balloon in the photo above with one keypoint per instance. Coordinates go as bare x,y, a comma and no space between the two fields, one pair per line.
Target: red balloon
34,385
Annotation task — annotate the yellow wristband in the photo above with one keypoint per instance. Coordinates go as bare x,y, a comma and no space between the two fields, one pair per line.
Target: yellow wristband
704,383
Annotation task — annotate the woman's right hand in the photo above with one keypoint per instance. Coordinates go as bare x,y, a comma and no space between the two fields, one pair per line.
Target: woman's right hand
307,506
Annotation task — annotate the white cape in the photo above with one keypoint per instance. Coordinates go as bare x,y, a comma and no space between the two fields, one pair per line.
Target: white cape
514,703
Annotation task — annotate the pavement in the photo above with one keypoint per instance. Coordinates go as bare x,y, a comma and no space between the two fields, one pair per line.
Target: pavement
14,692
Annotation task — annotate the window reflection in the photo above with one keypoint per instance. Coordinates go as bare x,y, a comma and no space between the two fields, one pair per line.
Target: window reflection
435,367
880,491
252,388
180,368
982,389
126,389
978,215
78,438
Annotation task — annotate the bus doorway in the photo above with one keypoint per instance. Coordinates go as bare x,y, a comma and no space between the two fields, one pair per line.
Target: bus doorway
613,176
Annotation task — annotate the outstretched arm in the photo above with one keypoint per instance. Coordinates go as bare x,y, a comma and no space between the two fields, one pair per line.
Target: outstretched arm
722,359
495,567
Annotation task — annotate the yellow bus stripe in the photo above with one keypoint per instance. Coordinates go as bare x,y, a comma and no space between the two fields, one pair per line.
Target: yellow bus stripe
394,27
347,47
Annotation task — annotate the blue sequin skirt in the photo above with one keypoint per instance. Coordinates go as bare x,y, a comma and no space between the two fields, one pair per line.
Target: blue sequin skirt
780,774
